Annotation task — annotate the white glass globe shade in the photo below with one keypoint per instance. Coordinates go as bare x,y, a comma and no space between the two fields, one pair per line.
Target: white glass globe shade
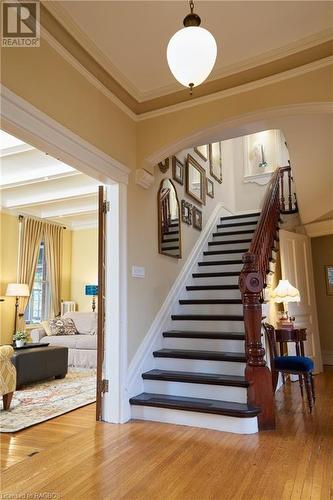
191,55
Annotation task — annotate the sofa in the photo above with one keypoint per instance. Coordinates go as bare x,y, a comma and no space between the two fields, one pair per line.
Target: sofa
82,347
7,375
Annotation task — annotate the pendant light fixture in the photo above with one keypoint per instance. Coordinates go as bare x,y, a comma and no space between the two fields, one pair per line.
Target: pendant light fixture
191,52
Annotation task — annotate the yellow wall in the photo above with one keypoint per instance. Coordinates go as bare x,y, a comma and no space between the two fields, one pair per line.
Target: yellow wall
84,266
8,266
322,254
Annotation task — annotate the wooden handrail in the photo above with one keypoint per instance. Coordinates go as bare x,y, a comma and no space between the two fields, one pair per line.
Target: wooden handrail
252,281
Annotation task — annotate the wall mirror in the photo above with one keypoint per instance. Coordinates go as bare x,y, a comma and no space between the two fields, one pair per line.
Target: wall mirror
215,161
169,227
195,180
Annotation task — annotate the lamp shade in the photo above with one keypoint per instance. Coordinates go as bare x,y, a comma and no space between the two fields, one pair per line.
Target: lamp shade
91,290
191,55
17,290
285,292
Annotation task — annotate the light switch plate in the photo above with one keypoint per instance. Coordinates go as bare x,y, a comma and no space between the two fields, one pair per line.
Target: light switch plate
138,272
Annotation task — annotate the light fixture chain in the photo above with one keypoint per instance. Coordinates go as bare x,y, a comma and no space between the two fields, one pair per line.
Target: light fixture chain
191,6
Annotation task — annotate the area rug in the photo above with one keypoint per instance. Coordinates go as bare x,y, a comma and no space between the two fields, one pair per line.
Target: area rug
41,401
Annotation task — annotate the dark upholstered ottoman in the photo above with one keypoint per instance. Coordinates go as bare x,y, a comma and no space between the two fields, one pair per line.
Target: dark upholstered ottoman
39,363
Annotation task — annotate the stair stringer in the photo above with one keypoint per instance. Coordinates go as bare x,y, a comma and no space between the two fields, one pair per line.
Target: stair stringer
143,359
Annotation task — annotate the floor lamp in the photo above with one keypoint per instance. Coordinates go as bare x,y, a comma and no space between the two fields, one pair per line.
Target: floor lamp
17,290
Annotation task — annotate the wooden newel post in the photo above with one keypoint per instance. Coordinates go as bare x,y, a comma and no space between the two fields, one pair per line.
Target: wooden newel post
260,391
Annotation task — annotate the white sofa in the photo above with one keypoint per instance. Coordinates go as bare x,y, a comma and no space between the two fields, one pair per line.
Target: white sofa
82,347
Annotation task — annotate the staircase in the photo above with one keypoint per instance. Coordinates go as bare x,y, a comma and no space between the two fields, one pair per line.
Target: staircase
198,377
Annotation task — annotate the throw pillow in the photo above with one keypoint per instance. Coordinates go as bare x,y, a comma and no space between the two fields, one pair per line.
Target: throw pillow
62,326
46,326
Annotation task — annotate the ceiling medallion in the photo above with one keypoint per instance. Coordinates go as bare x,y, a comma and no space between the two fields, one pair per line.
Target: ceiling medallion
191,52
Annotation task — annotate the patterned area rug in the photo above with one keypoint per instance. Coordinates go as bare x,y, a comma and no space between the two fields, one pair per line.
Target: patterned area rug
38,402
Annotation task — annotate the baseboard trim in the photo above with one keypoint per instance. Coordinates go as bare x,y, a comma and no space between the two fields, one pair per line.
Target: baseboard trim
143,359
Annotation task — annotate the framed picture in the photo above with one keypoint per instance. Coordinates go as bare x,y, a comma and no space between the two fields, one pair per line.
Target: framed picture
329,279
195,180
186,211
215,161
202,151
178,170
210,188
197,218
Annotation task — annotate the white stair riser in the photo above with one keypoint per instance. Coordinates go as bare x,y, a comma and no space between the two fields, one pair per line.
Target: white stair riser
204,344
222,245
249,226
167,237
196,419
212,294
219,268
200,365
208,326
231,237
223,256
215,280
209,309
218,392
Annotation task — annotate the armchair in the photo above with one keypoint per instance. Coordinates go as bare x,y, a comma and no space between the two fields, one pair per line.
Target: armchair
7,375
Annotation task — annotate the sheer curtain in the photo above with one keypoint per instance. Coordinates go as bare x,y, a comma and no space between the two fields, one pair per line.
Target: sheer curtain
53,247
32,233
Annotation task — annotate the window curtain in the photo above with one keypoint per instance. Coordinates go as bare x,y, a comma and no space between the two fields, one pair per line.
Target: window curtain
32,232
53,249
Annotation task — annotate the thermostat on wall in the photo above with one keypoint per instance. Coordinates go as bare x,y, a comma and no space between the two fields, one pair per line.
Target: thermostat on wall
138,272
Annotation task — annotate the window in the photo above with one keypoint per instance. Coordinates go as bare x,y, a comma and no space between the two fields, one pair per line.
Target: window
39,303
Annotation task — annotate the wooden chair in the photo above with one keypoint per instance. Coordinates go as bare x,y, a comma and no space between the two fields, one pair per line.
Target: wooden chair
296,365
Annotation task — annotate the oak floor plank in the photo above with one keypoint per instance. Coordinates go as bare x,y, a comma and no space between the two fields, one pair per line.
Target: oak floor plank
79,458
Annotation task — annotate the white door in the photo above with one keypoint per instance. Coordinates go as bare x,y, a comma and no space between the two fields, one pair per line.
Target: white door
296,266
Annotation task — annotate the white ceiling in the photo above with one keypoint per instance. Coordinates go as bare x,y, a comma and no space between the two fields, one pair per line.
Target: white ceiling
129,38
34,183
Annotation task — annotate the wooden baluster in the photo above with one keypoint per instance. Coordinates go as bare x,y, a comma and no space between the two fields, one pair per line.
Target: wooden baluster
289,188
282,199
260,392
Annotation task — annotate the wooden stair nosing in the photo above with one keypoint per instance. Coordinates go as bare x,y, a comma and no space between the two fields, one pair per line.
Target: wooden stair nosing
244,216
236,224
231,233
237,357
220,262
187,302
194,288
216,275
231,409
207,317
188,334
196,378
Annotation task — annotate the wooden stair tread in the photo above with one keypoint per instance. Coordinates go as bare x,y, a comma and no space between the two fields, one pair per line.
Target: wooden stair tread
215,275
220,262
228,242
237,224
230,233
212,287
188,334
231,408
225,252
245,216
207,317
237,357
209,301
196,378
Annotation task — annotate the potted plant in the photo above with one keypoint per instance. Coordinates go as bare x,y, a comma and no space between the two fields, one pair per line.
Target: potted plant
20,337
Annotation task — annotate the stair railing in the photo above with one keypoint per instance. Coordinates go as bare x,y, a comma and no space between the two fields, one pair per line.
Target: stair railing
252,281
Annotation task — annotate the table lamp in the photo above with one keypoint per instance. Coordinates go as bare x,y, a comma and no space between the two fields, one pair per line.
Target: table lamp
285,293
92,290
17,290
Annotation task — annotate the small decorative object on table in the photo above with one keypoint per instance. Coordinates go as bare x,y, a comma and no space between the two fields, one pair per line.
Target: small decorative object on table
285,293
186,212
20,338
197,218
92,290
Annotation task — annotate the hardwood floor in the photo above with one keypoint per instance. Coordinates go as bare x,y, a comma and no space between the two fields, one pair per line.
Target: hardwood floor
78,458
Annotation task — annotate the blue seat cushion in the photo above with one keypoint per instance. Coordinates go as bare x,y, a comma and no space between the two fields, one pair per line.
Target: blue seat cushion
293,363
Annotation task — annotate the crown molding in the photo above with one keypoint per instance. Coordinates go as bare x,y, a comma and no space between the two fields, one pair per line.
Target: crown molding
320,228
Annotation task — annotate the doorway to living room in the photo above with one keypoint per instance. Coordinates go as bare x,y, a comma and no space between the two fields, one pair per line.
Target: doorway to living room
30,126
